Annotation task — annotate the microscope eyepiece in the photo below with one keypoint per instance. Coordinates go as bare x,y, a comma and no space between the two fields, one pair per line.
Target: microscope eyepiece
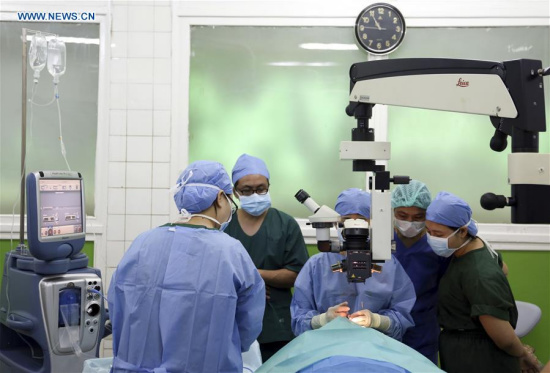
301,196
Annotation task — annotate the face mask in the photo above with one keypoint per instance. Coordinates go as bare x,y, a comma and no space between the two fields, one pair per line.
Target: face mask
409,228
225,224
255,204
440,246
233,209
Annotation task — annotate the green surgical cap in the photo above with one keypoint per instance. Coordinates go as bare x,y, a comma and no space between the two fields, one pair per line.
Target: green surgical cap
414,194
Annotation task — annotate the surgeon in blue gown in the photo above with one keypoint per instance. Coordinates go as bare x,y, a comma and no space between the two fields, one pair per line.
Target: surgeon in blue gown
423,266
186,297
383,302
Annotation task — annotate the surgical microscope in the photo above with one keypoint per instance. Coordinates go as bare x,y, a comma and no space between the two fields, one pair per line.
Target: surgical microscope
511,93
365,244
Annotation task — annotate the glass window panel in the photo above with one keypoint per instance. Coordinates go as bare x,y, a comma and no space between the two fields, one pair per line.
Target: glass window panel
78,92
450,151
258,90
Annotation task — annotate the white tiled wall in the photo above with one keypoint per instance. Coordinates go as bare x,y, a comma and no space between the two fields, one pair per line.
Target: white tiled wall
140,120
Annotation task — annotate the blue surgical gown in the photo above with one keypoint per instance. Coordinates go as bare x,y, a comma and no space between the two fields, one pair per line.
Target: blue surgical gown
184,299
389,293
425,268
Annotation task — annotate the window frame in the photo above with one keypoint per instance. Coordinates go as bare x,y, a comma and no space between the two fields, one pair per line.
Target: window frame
96,224
430,13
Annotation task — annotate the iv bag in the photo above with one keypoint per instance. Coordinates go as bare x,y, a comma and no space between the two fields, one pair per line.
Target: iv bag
57,59
38,54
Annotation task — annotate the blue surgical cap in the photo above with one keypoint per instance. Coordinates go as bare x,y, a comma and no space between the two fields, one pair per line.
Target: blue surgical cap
414,194
353,201
452,211
197,198
248,165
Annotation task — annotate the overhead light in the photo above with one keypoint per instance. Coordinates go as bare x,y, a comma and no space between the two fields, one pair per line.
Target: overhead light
302,64
68,39
80,40
321,64
329,46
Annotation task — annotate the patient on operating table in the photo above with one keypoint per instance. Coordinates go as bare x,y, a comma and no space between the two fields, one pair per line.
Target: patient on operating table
343,346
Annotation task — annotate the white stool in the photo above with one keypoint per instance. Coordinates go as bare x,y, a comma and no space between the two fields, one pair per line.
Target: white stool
528,316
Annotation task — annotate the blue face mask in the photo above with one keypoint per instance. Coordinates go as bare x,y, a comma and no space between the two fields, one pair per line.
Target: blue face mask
440,245
255,204
226,223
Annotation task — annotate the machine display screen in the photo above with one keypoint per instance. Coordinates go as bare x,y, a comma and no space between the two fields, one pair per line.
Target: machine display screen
69,307
60,207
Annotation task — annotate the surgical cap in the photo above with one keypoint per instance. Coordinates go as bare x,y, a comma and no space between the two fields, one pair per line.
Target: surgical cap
353,201
414,194
248,165
452,211
197,198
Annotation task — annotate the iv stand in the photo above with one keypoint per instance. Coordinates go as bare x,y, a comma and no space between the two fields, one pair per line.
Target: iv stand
23,142
24,32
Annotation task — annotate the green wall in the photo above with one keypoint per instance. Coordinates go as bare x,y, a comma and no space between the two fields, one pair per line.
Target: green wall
529,277
7,245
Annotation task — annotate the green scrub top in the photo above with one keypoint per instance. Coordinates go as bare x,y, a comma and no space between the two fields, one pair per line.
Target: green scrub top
474,285
277,244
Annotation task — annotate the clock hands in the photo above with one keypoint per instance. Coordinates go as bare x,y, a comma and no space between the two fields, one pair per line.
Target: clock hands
372,28
376,22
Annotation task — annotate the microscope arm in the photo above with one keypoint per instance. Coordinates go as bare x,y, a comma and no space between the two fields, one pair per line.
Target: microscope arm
464,86
510,92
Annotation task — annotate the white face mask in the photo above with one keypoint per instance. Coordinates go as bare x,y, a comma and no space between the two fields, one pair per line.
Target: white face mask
440,245
409,228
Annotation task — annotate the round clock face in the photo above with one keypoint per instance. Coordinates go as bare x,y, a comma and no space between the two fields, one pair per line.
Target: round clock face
380,28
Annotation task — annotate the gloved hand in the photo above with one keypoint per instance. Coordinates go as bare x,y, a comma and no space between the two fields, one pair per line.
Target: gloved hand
368,319
340,310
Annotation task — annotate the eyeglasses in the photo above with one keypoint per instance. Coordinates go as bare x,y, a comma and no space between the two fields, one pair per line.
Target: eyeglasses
261,190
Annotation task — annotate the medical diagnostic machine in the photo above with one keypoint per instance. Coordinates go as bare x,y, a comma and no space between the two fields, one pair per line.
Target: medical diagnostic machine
52,314
511,93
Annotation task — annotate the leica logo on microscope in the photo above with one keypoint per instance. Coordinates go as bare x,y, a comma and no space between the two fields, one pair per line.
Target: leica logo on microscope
462,83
